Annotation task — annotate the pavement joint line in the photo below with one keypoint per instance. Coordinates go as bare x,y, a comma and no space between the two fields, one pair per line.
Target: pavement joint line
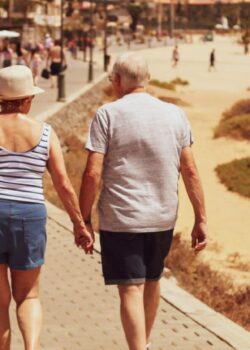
57,106
222,327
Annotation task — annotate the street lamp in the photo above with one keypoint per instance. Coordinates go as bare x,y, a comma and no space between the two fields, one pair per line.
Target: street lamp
172,15
61,75
106,56
91,38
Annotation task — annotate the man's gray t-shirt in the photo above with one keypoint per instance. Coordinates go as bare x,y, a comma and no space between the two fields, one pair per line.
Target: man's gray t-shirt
142,139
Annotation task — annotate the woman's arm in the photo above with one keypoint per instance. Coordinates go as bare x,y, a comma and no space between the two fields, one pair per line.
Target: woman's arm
64,188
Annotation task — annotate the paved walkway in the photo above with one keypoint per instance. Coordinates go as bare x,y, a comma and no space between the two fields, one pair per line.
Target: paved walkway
81,313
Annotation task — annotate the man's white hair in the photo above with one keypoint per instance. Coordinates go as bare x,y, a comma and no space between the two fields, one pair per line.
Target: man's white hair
132,69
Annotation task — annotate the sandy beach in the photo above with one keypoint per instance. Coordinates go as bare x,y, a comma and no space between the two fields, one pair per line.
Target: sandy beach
209,94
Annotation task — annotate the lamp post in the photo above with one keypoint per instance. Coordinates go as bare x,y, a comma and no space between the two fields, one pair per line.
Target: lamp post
105,46
91,38
61,75
172,15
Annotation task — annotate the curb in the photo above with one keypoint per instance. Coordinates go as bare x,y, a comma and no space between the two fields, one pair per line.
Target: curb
57,106
228,331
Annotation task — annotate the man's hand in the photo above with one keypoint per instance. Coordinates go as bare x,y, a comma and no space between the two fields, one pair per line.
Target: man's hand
84,238
199,236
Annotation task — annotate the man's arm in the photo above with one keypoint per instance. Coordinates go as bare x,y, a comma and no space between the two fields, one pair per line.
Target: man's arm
194,189
90,184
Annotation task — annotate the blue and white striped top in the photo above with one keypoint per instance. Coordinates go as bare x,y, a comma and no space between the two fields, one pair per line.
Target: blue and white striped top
21,173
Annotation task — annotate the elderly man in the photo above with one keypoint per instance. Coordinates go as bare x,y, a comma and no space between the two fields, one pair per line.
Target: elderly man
138,145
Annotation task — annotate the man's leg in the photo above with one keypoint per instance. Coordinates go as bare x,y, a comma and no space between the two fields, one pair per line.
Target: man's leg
5,298
25,286
133,316
151,303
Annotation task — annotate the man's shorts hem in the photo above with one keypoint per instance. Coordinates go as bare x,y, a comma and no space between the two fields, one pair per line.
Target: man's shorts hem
27,267
155,279
125,282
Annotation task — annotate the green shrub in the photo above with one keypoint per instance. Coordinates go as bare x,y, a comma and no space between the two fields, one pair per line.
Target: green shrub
175,100
236,176
239,108
179,81
234,126
162,84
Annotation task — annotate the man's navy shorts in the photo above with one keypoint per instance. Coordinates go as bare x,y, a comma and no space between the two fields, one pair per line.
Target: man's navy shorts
133,258
22,234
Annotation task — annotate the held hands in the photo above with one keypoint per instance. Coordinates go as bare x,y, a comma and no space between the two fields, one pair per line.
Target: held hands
84,237
199,236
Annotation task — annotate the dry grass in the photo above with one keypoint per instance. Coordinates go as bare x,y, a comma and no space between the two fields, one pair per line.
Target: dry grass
162,84
214,289
236,176
175,100
169,85
235,122
179,81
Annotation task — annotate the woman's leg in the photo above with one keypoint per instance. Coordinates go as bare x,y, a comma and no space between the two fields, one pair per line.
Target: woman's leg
5,298
25,289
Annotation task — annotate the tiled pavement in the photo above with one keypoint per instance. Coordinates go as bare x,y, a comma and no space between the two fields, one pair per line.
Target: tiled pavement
80,313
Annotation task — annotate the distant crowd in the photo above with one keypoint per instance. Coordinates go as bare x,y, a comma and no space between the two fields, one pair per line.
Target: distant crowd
44,54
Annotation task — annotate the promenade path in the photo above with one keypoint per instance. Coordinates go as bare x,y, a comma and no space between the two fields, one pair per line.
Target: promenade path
80,313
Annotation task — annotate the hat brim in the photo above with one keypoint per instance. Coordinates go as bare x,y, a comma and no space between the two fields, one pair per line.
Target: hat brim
36,90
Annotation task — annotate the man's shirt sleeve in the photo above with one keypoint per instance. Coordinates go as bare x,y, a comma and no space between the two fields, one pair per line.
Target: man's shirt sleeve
187,137
97,140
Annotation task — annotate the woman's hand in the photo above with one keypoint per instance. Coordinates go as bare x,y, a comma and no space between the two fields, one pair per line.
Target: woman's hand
84,237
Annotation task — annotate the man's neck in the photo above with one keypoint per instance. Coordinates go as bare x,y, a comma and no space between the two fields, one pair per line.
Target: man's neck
134,90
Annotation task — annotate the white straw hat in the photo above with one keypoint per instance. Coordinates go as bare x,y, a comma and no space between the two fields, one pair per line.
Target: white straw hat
16,82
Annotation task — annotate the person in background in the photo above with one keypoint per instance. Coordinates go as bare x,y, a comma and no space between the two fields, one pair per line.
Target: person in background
27,148
175,57
56,61
7,54
212,61
21,55
138,145
48,42
35,65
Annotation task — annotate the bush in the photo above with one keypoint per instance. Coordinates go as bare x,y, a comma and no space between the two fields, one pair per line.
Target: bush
235,122
175,100
211,287
162,84
179,81
239,108
236,175
234,126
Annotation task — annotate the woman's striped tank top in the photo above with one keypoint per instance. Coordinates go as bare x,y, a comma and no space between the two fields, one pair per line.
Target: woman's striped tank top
21,173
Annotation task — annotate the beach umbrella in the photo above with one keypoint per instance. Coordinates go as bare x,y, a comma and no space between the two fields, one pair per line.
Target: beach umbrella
8,34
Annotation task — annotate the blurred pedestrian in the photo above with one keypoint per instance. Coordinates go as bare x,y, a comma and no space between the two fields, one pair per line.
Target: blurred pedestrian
72,47
27,148
7,54
35,65
175,57
138,146
212,61
48,42
57,62
21,55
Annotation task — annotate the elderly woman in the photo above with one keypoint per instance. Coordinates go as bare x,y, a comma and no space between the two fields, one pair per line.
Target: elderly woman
27,148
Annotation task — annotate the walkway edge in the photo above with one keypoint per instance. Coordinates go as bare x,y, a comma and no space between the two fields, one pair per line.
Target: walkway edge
57,106
216,323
